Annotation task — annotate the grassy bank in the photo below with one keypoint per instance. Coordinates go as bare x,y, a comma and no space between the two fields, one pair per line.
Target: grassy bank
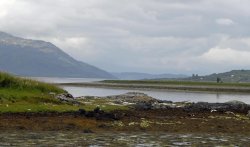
25,95
184,83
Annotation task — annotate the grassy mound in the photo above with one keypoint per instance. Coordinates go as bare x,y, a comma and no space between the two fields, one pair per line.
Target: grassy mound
25,95
12,82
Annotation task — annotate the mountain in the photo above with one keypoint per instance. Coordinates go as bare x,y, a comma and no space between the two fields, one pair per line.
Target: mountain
28,57
140,76
231,76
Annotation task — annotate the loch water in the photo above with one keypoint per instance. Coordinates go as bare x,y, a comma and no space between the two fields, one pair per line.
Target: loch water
171,95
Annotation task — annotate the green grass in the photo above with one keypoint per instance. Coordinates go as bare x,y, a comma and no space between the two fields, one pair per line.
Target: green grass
168,82
25,95
12,82
36,107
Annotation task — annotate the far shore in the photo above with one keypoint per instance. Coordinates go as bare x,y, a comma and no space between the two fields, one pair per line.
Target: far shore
202,87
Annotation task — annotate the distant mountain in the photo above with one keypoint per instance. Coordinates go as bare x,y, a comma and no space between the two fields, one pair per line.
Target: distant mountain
39,58
231,76
140,76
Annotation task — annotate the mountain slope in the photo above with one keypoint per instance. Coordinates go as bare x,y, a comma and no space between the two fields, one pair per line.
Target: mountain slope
39,58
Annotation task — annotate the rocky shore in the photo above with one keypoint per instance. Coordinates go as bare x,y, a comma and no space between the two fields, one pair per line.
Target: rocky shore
142,113
142,101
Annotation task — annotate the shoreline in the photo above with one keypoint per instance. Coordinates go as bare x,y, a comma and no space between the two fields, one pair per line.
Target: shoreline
149,87
140,113
169,121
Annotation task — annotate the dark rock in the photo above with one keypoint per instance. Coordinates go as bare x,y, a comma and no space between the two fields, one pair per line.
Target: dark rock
118,116
103,126
97,109
102,115
20,128
105,116
87,131
239,107
143,106
165,101
70,126
90,114
82,111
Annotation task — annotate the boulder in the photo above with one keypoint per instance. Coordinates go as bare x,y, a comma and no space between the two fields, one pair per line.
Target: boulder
66,97
100,114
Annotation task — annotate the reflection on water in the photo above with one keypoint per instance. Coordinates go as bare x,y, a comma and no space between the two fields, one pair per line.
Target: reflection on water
175,96
122,139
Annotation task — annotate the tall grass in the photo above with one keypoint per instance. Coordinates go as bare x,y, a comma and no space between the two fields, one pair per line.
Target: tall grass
11,82
25,95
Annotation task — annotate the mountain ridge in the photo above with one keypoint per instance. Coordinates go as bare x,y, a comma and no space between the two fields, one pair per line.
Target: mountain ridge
29,57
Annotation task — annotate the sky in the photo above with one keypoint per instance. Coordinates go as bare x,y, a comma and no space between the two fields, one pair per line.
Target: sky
152,36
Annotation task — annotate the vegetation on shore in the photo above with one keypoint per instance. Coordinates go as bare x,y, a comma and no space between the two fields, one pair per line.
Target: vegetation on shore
171,82
234,76
26,95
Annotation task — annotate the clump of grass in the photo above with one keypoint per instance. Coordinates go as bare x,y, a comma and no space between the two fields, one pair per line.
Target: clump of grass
25,95
11,82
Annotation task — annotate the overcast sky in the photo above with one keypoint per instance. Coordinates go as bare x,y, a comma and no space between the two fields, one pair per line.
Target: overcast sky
153,36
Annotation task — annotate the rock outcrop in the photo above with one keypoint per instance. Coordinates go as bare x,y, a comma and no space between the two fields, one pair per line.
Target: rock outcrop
232,106
66,97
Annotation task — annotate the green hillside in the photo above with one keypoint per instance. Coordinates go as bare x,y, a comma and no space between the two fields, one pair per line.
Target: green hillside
239,76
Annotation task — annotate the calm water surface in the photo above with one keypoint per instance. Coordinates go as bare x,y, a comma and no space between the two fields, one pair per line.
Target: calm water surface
119,139
175,96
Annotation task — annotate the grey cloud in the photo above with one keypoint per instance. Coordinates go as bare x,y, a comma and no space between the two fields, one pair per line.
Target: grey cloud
153,36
